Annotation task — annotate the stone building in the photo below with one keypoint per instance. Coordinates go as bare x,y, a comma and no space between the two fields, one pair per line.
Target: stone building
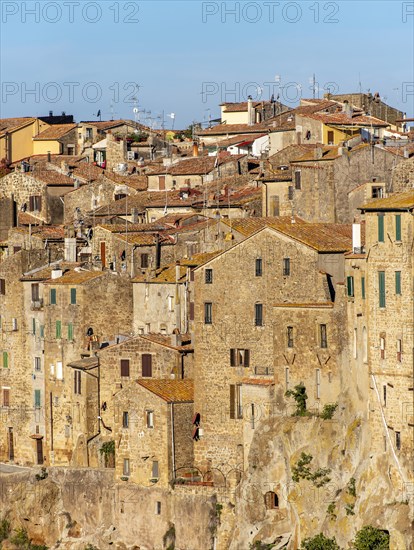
386,347
239,337
153,431
83,309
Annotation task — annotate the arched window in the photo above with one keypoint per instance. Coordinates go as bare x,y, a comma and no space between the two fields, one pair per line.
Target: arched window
271,500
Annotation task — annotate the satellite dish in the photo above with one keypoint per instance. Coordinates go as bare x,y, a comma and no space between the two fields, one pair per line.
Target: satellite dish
135,110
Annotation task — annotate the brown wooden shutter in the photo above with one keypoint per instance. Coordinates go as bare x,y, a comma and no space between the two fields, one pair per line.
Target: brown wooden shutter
79,382
232,357
147,365
124,367
75,385
191,311
35,292
192,275
232,401
6,398
31,203
246,357
2,286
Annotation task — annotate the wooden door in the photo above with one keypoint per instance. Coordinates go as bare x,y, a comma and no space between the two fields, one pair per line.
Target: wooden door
39,450
103,253
11,444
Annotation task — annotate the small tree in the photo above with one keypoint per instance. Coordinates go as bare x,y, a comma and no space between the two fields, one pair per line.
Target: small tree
108,450
300,396
371,538
319,542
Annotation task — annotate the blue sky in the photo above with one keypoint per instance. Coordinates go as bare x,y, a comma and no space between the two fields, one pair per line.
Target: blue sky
189,56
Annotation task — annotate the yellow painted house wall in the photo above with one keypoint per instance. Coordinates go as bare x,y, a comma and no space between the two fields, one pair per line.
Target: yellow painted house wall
22,140
339,135
44,146
239,117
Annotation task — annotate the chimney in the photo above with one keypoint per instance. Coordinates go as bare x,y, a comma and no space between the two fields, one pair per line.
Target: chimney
56,273
176,338
70,250
250,111
50,113
356,237
195,149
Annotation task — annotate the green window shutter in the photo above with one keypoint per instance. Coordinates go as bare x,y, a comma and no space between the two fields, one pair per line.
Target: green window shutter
53,296
398,227
398,282
37,399
42,331
363,288
73,296
70,331
34,325
350,285
58,329
5,360
381,285
380,228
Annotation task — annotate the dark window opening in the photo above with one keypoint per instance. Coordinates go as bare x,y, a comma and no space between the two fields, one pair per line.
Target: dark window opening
125,367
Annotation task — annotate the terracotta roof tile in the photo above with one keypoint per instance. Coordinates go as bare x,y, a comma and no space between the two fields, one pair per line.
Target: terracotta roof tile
12,124
56,131
258,382
399,201
166,340
171,391
75,277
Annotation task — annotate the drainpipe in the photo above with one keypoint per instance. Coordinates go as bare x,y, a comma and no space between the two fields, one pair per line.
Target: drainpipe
172,440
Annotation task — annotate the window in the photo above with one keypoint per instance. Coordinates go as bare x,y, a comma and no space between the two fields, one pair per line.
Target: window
37,399
208,313
318,383
287,378
350,286
377,192
381,286
399,351
6,397
42,331
191,313
149,418
53,296
259,267
398,227
119,196
382,346
384,395
59,370
35,203
3,286
398,282
37,364
380,228
70,332
14,323
274,208
290,337
331,138
271,500
398,440
58,329
144,261
258,315
363,288
35,292
298,179
155,469
77,382
33,326
239,357
286,267
125,419
158,508
208,274
126,471
125,367
73,296
146,363
323,336
88,133
236,409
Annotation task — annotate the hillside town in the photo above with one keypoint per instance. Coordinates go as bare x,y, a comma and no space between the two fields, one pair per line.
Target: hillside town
213,326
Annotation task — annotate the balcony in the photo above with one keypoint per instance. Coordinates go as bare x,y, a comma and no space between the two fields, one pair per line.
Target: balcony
36,305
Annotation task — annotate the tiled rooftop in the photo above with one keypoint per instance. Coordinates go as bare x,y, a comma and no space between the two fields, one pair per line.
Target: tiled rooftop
75,277
56,131
171,391
166,340
11,124
399,201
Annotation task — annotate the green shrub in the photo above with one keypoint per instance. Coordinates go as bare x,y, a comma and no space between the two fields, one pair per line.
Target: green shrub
4,529
371,538
331,511
351,489
300,396
301,470
319,542
328,411
43,474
